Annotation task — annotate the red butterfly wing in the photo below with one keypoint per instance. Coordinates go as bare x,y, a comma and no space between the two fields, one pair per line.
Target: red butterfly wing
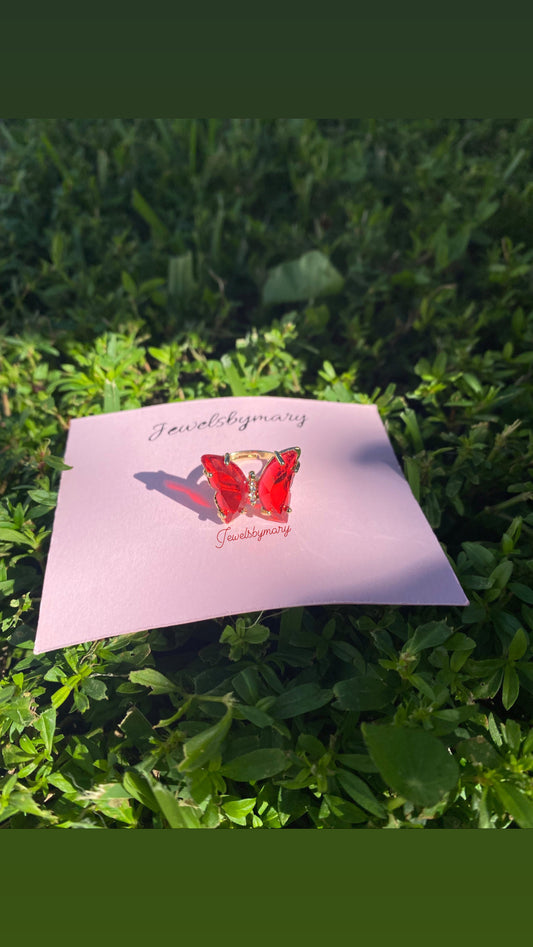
230,484
275,481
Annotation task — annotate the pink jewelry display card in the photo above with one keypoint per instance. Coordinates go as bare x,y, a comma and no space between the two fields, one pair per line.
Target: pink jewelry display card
137,542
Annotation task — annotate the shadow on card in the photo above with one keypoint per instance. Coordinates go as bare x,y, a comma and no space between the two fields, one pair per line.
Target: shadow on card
376,455
195,496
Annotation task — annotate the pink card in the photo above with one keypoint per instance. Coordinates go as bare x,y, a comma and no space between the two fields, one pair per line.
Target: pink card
137,542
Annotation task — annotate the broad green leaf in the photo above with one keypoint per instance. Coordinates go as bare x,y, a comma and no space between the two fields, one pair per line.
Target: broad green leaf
149,677
461,642
18,710
482,559
60,695
112,800
205,745
231,376
190,817
486,209
362,692
128,283
8,535
493,730
27,745
46,725
429,635
477,582
111,397
61,782
516,803
500,576
413,429
518,646
361,793
523,592
458,659
309,744
162,355
511,687
258,764
473,382
44,497
506,623
507,544
24,802
149,215
412,762
310,276
299,700
136,784
246,684
57,463
178,816
256,716
180,276
238,809
94,687
344,810
256,634
513,735
14,755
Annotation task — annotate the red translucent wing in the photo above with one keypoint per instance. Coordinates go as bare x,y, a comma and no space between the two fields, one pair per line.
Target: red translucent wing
229,482
275,481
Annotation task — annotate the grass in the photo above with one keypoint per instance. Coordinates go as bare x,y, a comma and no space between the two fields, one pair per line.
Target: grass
358,261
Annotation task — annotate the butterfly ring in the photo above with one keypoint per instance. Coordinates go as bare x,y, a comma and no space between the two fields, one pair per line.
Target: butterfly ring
269,489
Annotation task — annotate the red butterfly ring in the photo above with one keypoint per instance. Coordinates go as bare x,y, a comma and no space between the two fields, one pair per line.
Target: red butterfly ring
234,490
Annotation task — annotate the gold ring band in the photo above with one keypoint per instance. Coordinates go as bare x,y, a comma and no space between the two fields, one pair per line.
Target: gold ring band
253,454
